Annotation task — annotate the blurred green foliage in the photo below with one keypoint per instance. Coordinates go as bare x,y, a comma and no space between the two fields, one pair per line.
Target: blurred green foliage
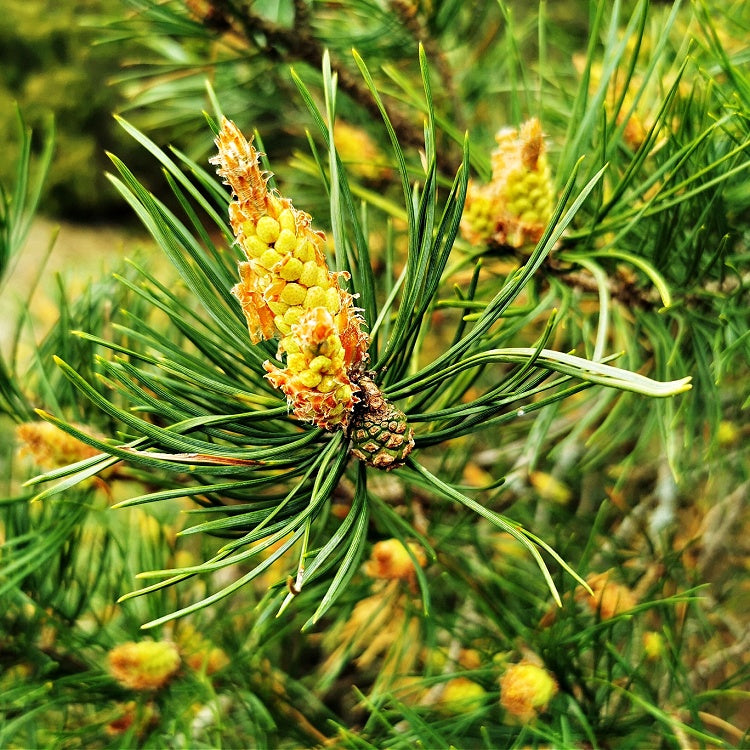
51,66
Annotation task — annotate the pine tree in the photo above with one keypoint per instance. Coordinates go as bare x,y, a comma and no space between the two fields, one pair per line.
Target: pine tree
440,478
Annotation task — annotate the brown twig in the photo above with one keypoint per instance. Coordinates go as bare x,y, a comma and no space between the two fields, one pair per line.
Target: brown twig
298,43
408,13
621,286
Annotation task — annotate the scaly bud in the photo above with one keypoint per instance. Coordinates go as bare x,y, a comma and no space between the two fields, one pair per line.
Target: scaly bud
516,205
360,153
525,690
51,447
390,560
609,599
145,665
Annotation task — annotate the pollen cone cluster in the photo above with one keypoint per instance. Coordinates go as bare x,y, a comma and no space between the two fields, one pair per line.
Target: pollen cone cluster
287,291
513,209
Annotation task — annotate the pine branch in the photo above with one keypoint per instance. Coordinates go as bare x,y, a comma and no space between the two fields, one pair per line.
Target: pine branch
300,44
621,286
